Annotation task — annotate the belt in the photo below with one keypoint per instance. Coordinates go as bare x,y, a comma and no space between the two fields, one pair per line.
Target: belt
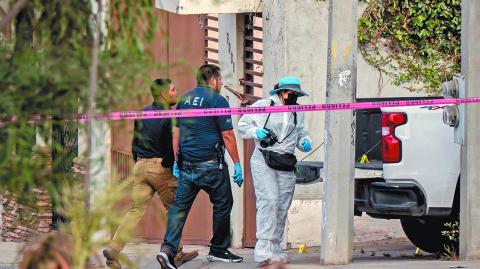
214,160
148,158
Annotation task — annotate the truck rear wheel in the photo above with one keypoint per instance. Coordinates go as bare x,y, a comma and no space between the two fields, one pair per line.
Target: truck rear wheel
427,234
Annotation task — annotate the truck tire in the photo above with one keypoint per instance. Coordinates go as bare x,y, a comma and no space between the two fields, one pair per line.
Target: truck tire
427,234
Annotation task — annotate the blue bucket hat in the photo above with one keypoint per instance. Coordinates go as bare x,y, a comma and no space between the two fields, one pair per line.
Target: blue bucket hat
289,83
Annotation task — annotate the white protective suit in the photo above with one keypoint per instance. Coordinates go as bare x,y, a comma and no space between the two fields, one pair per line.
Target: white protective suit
273,189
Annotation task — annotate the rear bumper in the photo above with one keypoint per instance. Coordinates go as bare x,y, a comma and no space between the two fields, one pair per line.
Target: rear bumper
389,200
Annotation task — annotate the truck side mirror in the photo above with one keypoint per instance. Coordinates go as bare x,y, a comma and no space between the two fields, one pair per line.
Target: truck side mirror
451,89
451,116
454,115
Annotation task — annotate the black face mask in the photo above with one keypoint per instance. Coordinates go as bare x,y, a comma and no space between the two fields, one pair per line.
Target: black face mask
291,99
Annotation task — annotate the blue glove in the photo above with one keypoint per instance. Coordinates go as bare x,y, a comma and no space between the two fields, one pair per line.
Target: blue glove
238,174
261,133
175,170
306,145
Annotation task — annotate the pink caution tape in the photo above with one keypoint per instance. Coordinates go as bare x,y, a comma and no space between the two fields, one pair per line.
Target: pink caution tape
206,112
187,113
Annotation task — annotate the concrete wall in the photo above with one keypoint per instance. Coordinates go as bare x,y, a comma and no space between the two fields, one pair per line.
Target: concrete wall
295,43
209,6
231,63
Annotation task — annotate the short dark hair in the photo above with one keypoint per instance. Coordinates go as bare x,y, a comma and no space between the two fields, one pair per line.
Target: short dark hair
206,72
159,86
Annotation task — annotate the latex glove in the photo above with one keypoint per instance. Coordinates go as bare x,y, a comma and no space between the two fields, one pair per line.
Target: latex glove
238,174
261,133
306,145
175,170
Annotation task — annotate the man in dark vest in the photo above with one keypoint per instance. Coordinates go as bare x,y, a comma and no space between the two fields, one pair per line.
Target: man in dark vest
153,153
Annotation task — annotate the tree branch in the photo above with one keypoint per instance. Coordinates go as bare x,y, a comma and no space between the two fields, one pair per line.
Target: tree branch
12,13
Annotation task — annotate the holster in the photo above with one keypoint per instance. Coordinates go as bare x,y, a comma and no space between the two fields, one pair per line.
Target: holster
180,160
220,155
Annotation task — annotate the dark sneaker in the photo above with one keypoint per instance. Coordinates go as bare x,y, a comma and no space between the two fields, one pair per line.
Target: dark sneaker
112,258
166,261
223,256
183,257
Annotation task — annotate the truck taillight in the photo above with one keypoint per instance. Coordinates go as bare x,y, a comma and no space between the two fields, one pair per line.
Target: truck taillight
391,145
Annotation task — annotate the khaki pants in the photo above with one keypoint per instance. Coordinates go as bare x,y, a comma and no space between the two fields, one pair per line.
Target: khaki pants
150,177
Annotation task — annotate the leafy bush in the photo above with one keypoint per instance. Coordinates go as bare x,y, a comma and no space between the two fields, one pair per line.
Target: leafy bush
413,41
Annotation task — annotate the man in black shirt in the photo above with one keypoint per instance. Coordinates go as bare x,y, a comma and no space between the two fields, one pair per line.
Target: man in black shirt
153,153
153,138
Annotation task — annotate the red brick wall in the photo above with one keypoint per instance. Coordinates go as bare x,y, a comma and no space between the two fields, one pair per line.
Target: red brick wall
21,223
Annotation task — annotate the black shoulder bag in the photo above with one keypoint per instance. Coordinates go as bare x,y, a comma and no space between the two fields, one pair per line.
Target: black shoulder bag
280,161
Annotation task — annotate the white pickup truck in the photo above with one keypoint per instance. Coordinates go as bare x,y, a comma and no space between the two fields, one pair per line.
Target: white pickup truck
421,170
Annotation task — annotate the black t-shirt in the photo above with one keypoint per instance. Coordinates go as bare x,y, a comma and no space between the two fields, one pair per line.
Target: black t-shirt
152,138
200,135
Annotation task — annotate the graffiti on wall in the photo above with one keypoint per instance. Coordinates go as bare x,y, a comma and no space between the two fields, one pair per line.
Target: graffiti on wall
230,53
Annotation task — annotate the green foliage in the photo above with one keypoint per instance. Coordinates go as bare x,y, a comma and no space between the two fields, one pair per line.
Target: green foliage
415,41
45,70
452,233
89,227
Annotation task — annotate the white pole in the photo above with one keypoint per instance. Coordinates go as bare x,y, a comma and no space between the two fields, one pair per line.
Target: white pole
337,227
470,155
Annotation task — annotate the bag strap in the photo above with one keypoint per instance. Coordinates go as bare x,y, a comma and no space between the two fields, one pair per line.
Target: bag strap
272,103
295,127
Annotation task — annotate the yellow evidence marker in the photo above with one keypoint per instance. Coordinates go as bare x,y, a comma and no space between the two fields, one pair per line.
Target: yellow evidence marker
302,249
364,159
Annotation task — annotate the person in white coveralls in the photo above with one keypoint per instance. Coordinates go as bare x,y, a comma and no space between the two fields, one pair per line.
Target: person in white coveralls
273,164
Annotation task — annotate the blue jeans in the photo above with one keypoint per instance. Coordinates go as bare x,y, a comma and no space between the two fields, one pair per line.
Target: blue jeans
216,183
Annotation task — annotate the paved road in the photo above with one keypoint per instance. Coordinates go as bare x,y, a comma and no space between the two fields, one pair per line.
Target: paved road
392,253
388,254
